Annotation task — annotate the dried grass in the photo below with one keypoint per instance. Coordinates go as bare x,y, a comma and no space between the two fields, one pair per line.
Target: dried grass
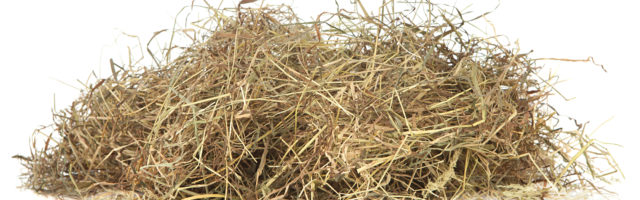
365,107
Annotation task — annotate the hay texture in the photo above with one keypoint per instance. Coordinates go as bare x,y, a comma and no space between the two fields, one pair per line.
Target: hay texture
350,106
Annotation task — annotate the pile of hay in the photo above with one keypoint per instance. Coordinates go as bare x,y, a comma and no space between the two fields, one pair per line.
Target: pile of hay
353,106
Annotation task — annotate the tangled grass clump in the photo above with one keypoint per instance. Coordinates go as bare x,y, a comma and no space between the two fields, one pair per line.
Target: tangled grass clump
269,107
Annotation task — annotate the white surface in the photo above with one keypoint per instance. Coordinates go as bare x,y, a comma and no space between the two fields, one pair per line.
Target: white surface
44,43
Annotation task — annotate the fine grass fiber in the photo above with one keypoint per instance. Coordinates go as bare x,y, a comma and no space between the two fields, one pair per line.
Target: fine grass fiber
350,106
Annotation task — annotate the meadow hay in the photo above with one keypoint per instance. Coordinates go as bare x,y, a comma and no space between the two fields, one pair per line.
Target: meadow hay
268,106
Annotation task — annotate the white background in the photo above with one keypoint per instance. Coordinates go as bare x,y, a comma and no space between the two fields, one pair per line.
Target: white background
47,45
